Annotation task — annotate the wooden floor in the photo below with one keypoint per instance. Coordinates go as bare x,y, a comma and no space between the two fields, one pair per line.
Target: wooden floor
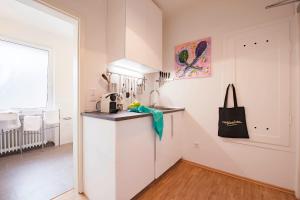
39,174
189,182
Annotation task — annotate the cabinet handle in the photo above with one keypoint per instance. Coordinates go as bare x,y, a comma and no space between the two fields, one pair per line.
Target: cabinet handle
172,126
155,149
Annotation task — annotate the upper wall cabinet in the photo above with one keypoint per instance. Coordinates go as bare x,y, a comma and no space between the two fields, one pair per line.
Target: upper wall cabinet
134,35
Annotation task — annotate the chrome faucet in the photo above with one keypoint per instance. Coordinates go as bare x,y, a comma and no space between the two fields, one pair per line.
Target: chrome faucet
150,99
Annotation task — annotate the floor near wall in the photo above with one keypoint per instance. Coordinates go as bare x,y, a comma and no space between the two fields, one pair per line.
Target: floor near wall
185,181
37,175
71,195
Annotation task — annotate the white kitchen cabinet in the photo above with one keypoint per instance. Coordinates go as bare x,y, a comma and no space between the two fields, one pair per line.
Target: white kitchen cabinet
118,157
168,150
122,157
134,35
135,156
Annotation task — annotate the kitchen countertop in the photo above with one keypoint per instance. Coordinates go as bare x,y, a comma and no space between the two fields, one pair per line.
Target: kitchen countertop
125,115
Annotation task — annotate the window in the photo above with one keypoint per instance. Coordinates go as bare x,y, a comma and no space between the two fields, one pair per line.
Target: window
23,76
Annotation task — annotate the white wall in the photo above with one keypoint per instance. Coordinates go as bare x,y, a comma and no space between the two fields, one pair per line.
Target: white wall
201,19
61,62
92,58
92,15
202,97
297,177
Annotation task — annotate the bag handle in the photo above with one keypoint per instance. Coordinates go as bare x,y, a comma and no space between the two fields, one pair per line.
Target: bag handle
234,96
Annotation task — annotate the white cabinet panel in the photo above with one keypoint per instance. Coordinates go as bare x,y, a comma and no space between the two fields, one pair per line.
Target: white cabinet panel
134,35
135,156
154,36
99,158
136,30
178,130
164,157
144,33
118,157
261,73
121,158
168,150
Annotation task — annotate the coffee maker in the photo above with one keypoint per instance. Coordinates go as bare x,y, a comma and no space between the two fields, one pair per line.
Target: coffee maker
108,103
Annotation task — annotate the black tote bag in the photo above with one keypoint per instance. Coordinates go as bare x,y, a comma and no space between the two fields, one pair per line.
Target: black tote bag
232,121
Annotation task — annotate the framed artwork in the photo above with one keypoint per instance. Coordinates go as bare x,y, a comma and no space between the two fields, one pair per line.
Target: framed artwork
193,59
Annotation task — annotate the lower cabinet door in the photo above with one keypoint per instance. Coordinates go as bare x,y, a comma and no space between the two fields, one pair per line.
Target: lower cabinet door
167,149
177,136
135,156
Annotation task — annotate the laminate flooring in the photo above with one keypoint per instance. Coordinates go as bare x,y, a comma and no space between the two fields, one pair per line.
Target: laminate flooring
39,174
186,181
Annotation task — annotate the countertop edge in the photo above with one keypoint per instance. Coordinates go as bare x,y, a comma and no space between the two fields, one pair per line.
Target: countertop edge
116,117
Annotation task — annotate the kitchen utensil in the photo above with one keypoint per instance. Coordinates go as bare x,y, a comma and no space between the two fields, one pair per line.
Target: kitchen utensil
107,80
123,88
113,87
138,89
120,85
131,88
127,88
134,88
123,85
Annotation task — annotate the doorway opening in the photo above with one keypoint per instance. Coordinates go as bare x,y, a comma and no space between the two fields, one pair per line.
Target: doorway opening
39,104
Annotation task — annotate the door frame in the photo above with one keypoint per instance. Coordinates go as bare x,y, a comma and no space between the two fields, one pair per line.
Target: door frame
77,121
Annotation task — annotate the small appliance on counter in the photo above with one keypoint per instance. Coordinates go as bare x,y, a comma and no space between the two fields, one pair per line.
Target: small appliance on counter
108,103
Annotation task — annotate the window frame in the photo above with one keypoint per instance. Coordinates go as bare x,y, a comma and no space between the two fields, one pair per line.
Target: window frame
50,70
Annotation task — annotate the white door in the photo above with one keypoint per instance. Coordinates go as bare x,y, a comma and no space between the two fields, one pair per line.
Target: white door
260,69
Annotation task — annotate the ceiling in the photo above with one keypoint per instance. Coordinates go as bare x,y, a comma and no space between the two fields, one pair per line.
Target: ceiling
173,7
13,10
170,7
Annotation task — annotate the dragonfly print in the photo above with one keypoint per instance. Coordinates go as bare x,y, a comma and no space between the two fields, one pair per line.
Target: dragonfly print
193,59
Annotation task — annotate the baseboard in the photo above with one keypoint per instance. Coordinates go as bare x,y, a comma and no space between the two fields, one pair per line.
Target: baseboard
241,177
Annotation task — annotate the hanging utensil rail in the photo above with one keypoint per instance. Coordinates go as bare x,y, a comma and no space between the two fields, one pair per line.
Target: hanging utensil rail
126,76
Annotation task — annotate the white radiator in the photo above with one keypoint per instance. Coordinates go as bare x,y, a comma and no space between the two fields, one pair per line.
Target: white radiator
10,141
32,139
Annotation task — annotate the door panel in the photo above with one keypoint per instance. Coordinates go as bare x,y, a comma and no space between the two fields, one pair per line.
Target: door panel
261,73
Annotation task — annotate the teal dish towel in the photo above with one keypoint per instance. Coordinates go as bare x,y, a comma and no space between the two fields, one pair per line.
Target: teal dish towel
158,119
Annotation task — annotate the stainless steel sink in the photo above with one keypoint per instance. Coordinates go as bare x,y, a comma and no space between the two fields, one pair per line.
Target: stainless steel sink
162,108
